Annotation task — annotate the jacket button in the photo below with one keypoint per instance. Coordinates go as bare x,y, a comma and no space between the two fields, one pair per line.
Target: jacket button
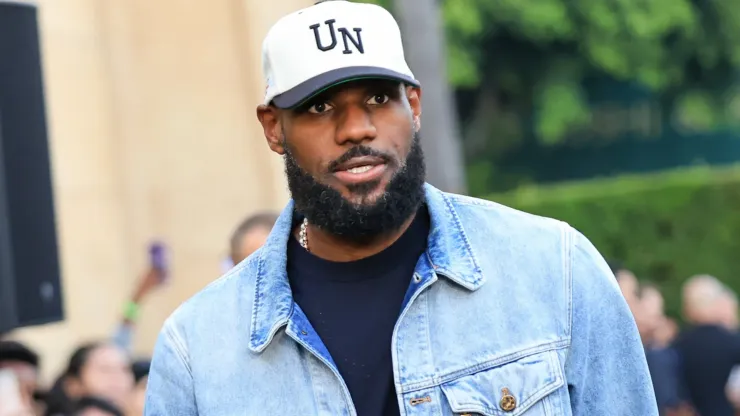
508,402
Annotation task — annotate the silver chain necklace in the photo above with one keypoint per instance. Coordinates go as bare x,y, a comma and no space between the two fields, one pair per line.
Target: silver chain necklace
303,234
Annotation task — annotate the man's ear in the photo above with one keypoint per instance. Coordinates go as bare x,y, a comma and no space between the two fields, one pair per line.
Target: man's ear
413,94
270,120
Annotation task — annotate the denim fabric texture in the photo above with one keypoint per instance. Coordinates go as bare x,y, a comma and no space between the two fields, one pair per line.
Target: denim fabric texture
507,313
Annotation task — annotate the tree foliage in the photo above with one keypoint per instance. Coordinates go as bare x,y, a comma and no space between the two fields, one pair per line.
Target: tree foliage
538,52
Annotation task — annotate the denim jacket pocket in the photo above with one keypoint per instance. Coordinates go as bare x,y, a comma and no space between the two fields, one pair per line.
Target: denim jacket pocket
516,388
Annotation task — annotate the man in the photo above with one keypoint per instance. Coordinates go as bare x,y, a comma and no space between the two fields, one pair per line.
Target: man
376,294
628,284
709,350
250,235
728,318
651,311
663,360
728,310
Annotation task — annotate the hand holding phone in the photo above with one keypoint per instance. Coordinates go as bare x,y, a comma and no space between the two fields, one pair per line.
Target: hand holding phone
158,260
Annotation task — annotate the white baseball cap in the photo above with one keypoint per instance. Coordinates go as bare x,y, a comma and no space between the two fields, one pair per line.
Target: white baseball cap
330,43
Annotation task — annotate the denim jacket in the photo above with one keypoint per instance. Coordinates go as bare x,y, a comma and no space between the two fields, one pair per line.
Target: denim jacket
507,313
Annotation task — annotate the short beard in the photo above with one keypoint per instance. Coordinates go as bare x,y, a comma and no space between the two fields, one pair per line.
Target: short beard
326,208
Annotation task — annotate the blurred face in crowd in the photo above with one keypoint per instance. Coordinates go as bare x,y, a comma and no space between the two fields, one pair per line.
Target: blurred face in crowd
650,314
702,296
250,235
352,156
250,242
728,310
652,303
628,285
106,373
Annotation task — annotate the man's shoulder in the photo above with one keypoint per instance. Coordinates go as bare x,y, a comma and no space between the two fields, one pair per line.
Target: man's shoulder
480,215
228,297
501,236
506,245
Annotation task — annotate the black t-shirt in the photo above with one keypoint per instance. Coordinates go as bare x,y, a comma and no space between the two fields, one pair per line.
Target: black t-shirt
707,355
354,306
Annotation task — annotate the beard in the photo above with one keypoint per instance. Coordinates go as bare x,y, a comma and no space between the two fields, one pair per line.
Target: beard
326,208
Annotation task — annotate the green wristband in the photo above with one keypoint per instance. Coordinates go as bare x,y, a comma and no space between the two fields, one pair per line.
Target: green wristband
131,312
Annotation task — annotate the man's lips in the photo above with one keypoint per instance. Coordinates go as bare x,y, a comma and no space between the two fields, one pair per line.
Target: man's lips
359,161
360,169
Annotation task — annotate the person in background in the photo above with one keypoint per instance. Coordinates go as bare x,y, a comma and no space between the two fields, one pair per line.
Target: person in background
663,360
250,235
24,363
628,284
708,350
95,406
103,370
150,280
728,310
100,370
651,312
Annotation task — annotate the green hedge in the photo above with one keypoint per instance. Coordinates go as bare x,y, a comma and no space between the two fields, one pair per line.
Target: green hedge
665,227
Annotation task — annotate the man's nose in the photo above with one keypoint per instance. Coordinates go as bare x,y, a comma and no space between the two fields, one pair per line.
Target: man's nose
355,125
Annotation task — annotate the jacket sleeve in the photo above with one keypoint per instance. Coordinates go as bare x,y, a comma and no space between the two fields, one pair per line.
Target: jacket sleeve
606,369
170,385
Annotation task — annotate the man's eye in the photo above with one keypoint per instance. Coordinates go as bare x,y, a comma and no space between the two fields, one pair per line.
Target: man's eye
319,108
379,99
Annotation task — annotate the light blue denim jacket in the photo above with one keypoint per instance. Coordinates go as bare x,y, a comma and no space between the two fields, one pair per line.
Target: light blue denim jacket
503,302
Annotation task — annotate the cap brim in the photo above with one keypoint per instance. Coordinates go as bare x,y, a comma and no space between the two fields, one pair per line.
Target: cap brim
314,86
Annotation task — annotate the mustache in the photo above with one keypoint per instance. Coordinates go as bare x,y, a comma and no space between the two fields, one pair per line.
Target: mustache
358,151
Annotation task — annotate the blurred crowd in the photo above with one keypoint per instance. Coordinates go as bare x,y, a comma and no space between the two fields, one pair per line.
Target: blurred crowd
693,368
102,377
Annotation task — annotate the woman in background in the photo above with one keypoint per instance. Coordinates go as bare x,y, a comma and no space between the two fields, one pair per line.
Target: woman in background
100,370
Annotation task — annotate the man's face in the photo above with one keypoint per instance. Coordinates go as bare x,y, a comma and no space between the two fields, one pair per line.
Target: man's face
353,160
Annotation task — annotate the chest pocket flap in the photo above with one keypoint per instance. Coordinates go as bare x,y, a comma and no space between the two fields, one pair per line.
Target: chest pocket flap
509,389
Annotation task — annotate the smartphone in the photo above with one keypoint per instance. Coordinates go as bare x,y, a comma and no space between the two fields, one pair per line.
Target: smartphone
11,401
158,259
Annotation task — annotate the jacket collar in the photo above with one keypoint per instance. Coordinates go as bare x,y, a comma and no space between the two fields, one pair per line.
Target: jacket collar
448,249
